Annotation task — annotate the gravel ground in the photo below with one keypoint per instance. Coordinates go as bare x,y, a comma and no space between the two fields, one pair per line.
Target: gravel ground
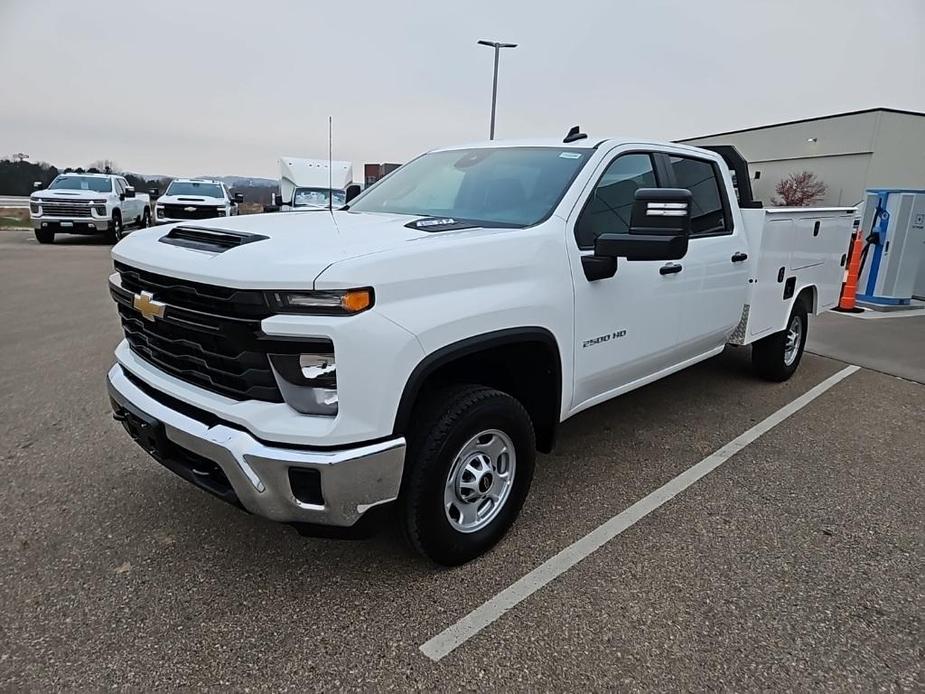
796,565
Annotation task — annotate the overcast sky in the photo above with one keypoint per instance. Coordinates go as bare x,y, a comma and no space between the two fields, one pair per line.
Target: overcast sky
209,87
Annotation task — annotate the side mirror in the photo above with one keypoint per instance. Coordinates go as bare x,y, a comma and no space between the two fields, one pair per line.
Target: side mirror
351,192
36,184
277,200
129,192
238,197
155,192
660,227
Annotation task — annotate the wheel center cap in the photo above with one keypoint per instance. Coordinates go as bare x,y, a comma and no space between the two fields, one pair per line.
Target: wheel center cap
485,483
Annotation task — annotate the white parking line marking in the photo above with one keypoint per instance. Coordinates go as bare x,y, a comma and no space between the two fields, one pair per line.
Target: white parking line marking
482,616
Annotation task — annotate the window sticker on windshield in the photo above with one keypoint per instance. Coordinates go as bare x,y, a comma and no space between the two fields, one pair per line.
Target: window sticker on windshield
569,155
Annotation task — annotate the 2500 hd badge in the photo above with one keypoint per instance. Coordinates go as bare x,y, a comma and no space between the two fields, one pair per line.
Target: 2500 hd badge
603,338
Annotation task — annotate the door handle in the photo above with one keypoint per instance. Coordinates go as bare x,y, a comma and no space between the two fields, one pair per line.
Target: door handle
739,257
670,269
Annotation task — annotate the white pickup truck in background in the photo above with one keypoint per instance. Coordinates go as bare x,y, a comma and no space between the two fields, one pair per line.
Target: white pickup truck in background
195,198
414,349
87,204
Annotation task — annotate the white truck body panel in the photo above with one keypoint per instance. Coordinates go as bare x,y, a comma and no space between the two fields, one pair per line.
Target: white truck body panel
296,172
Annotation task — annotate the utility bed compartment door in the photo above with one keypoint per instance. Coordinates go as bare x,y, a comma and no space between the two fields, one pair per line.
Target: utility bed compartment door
775,258
816,240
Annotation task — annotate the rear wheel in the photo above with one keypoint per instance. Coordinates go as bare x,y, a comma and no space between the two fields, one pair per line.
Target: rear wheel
45,235
469,469
146,219
777,356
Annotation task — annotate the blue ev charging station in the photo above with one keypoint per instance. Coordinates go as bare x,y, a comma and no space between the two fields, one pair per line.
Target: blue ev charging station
895,219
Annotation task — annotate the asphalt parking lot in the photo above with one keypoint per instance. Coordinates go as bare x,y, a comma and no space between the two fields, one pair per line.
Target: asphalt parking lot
796,564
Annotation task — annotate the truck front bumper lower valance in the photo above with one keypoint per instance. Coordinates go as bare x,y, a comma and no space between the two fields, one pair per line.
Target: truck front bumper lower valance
280,482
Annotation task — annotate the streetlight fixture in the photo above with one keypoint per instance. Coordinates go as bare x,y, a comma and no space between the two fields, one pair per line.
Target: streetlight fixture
497,45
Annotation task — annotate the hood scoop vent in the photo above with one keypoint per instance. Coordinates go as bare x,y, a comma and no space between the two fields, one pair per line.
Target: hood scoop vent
212,240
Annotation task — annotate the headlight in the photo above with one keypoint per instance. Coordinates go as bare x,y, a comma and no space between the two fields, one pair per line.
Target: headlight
159,211
308,381
34,207
100,210
220,212
340,302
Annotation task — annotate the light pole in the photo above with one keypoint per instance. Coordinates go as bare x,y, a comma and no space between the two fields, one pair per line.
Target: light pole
497,45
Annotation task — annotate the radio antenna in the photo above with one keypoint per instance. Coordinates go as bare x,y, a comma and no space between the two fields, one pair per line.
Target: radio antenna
330,164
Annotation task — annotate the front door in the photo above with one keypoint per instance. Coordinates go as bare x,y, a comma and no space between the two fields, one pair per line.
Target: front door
626,326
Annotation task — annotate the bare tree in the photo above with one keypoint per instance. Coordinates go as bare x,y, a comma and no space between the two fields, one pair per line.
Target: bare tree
799,190
20,156
104,165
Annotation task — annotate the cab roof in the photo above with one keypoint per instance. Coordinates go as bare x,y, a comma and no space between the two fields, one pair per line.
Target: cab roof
96,175
196,180
557,143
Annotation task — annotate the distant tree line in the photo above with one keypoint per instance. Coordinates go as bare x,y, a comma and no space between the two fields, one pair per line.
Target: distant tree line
17,177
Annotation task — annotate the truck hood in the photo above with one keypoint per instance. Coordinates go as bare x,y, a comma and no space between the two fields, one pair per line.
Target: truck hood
69,195
296,248
190,200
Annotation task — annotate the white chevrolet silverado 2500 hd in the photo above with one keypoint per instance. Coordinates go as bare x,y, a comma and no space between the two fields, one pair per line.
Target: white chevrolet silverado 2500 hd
419,344
193,198
88,204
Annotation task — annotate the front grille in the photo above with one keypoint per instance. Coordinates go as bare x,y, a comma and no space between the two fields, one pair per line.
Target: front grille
65,209
211,360
191,211
209,336
220,301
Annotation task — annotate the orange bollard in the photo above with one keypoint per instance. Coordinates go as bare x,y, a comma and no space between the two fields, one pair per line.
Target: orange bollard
849,290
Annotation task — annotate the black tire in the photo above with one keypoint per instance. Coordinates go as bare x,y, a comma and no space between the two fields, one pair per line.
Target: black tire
445,423
115,231
146,219
772,357
44,235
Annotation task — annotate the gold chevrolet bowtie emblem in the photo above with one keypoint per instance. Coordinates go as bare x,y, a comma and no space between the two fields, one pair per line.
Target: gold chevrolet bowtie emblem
149,309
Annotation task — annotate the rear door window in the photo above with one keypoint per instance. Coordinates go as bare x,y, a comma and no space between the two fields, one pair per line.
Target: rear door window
708,208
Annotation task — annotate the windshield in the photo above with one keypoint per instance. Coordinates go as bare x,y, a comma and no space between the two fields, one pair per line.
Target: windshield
97,184
316,197
208,190
512,186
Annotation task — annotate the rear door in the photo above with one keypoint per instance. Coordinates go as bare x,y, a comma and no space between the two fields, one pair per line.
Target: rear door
626,326
716,268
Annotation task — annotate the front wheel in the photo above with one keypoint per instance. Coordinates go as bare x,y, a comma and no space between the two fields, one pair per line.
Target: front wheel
777,356
115,231
469,468
45,235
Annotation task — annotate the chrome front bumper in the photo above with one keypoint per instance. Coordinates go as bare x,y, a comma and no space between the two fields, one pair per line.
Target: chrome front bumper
74,225
352,480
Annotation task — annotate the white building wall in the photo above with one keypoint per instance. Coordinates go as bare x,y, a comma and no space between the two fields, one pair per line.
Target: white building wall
849,153
899,152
